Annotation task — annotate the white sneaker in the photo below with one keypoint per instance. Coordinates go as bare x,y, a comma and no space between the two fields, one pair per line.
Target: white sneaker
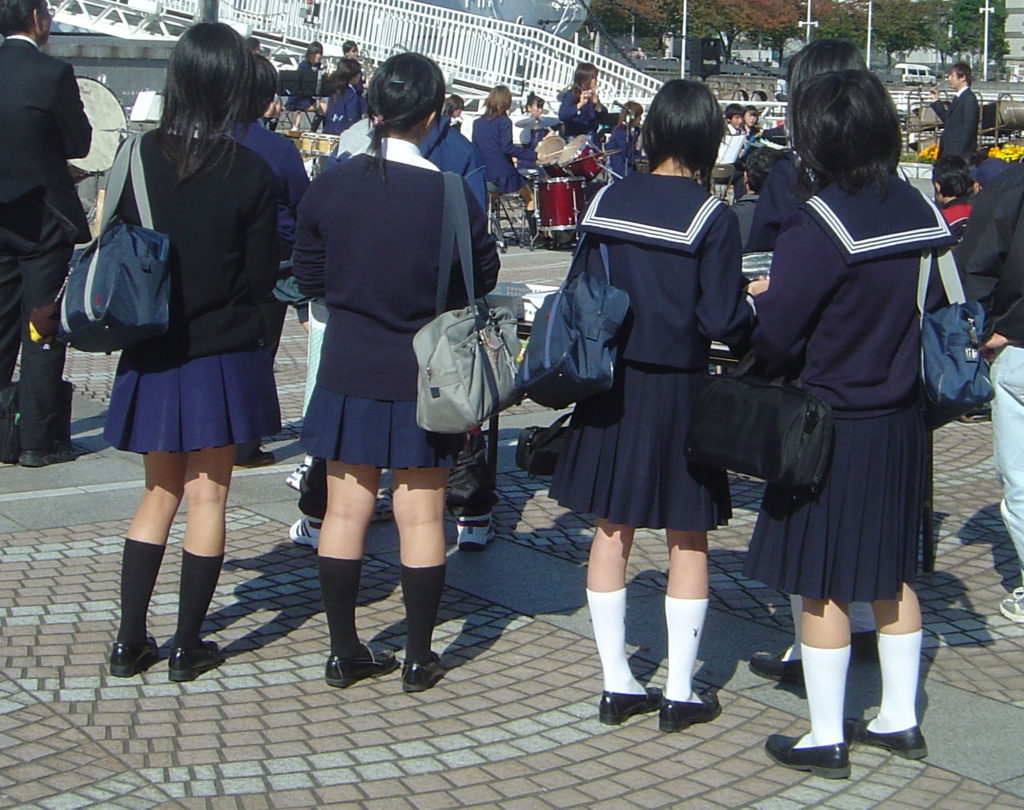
306,532
294,480
1012,607
474,532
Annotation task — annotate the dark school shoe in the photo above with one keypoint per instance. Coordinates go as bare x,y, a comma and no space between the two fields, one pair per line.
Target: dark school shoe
675,715
187,665
343,672
827,761
420,677
126,661
615,707
908,744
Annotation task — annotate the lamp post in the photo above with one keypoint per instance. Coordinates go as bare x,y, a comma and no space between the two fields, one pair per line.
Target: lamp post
207,11
867,50
986,10
682,49
808,23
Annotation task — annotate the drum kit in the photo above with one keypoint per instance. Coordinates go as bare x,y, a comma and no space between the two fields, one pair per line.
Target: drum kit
564,170
315,148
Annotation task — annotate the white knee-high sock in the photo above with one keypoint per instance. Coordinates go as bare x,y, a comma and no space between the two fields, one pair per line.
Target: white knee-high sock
862,619
900,659
796,607
685,621
825,681
608,616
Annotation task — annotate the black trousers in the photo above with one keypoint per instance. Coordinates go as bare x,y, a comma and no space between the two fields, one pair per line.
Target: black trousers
33,263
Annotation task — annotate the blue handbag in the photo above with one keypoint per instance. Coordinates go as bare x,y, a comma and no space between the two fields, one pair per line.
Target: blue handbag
570,355
954,375
118,289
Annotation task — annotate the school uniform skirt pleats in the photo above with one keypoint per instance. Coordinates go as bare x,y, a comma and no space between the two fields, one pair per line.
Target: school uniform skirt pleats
623,460
856,539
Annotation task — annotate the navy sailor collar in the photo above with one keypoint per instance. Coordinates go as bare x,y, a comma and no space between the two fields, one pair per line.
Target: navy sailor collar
665,212
863,226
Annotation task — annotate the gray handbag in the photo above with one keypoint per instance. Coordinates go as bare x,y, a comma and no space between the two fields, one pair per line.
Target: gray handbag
467,356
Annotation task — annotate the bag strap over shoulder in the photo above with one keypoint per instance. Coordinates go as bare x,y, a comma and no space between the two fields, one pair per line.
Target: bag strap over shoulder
454,234
947,273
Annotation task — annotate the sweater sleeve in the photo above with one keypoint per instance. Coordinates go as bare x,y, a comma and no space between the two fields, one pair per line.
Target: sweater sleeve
309,255
800,286
261,253
722,309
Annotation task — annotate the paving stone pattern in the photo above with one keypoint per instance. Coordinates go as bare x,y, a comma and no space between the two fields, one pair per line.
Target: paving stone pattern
513,724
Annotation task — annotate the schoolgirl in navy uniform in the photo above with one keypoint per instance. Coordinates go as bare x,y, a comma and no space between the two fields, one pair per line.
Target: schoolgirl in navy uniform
580,104
624,140
492,136
840,313
346,105
186,398
379,282
676,250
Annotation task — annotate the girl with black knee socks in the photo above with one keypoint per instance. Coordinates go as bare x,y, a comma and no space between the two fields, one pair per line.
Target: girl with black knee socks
379,283
186,398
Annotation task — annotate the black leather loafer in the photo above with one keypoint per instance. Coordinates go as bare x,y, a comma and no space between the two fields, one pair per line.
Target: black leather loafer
908,743
828,761
187,665
675,715
126,661
618,706
60,453
420,677
342,672
772,667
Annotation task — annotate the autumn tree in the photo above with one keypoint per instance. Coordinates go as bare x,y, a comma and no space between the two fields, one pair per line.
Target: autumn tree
773,22
842,20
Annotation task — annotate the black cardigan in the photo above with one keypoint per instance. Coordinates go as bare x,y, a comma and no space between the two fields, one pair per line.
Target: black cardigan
370,245
222,225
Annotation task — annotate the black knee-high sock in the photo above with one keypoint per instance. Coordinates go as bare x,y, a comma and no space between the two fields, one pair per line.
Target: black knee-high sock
140,564
199,577
421,589
339,588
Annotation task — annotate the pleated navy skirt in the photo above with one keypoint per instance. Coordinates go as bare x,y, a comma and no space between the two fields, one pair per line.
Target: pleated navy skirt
373,432
206,402
623,455
856,539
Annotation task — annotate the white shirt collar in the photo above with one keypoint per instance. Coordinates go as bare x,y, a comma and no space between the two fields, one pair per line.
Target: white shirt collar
963,90
25,38
405,152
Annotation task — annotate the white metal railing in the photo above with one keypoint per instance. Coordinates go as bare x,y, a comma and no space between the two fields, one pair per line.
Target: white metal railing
474,51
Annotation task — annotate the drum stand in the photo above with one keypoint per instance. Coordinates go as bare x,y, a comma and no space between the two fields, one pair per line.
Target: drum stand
506,219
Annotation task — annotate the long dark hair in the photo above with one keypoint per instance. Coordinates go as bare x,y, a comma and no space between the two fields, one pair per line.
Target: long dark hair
339,81
209,88
405,89
845,130
822,56
581,79
684,123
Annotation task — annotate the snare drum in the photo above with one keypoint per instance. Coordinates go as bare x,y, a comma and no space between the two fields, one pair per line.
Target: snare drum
548,152
581,158
314,144
559,203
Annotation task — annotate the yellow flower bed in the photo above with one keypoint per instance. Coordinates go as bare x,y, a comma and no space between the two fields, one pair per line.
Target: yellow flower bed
929,154
1009,152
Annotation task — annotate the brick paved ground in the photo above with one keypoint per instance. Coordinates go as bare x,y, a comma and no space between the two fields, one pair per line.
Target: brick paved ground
514,722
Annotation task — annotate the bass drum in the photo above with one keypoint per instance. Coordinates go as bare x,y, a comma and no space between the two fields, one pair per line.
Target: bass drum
548,151
559,203
106,115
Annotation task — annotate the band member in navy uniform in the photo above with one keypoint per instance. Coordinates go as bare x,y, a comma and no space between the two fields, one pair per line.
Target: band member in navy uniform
840,314
676,250
533,129
580,104
300,104
40,219
624,140
492,136
346,105
779,197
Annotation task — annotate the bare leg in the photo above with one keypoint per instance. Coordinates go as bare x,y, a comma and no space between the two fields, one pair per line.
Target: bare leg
351,497
609,554
164,489
207,481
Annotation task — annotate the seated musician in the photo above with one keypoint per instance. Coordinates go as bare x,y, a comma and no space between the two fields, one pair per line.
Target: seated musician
346,105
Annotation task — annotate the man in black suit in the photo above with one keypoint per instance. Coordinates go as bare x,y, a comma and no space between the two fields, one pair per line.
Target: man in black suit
960,118
41,218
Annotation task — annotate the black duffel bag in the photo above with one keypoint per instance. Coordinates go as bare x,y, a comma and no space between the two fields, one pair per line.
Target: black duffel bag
768,429
538,447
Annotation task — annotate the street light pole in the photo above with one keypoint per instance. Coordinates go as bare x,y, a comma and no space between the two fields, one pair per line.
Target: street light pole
986,10
682,49
871,8
808,23
207,11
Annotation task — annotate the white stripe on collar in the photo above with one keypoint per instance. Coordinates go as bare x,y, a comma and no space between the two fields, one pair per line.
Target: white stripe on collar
858,246
687,237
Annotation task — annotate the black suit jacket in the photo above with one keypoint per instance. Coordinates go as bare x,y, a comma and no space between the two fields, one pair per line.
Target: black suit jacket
44,126
960,124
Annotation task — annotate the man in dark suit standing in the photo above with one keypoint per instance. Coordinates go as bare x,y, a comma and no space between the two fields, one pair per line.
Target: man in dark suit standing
960,118
41,218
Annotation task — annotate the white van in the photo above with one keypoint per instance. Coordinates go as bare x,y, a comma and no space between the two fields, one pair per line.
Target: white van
914,74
